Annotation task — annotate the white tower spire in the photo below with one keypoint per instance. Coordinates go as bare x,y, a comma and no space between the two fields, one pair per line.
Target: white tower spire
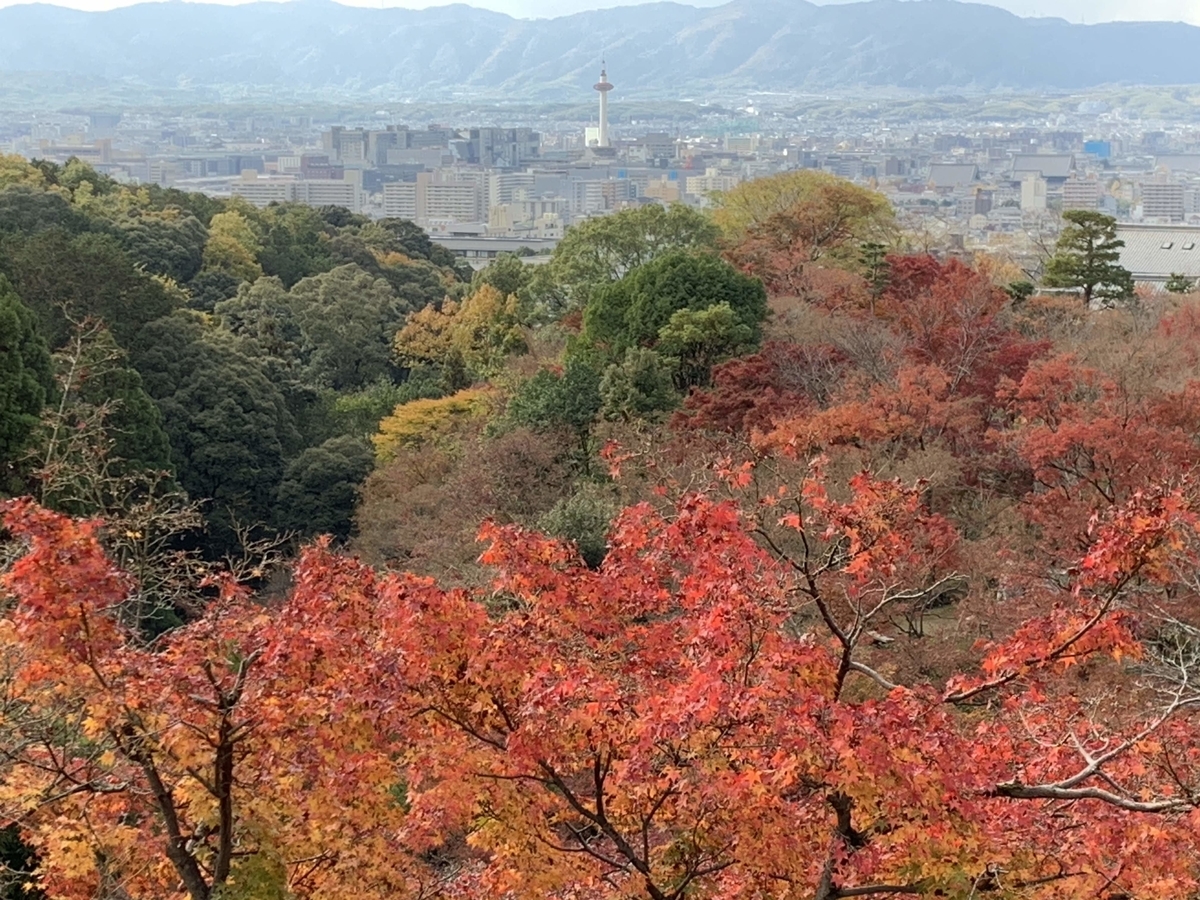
603,87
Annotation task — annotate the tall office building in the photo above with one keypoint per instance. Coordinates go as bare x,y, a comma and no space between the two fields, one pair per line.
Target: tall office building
503,148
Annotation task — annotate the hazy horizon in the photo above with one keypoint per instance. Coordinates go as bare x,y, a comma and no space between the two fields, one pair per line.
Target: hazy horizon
1080,11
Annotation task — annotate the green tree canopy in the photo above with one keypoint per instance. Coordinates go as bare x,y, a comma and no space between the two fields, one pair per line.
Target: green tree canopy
695,340
25,210
331,330
319,489
1086,257
568,400
1180,284
210,287
170,245
202,206
410,239
348,320
607,248
264,311
631,312
638,387
294,243
75,173
134,422
506,273
26,378
228,423
65,278
416,281
584,519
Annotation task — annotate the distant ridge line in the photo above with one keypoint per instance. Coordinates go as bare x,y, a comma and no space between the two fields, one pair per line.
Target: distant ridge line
655,49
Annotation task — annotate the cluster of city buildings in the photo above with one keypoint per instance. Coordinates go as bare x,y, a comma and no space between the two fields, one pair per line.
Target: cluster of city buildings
997,188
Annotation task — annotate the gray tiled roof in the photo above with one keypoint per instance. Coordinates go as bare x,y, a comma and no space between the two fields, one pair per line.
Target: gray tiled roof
948,175
1155,252
1179,162
1048,165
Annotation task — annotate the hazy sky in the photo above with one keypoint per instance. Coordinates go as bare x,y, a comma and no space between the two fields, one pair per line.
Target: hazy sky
1089,11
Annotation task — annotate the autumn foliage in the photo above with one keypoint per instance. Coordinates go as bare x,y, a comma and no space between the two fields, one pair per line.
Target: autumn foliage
901,603
665,726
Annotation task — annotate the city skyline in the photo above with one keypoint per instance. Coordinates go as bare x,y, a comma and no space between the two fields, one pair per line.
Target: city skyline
1078,11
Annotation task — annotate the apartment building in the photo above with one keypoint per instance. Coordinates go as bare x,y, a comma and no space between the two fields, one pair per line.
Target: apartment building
1162,201
504,186
1081,193
711,181
327,192
400,200
262,191
441,196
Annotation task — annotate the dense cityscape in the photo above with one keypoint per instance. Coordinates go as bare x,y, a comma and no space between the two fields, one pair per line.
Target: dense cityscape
483,190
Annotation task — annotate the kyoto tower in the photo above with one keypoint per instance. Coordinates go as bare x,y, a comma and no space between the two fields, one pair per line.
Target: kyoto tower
603,87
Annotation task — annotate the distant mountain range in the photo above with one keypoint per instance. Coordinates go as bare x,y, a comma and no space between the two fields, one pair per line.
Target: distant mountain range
656,49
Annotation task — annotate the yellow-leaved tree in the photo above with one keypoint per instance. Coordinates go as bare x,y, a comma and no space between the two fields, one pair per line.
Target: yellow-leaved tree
422,422
232,246
15,170
474,337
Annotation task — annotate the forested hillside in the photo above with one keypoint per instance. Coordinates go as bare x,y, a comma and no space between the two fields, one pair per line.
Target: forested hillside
733,556
658,50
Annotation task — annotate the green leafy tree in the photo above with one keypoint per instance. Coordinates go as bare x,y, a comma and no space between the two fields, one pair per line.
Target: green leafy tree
416,281
1180,284
264,311
26,210
1086,257
568,400
169,245
640,386
348,320
631,312
695,340
133,422
26,378
229,424
1020,291
607,248
79,177
209,288
340,217
358,413
330,330
294,243
873,259
319,489
506,273
65,278
584,519
410,239
202,206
